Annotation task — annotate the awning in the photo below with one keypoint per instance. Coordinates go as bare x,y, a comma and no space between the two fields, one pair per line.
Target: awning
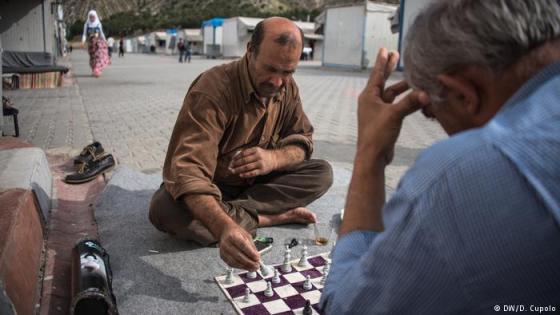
215,22
313,36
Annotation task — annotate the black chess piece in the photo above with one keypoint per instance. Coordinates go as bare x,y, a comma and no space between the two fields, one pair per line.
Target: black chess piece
307,308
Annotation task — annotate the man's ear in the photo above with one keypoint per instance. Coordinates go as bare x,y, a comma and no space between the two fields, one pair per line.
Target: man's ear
460,90
250,48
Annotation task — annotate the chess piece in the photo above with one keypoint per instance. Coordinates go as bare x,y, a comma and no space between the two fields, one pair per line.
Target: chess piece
303,260
326,268
293,243
246,296
286,266
332,250
276,278
307,283
307,308
268,292
251,274
323,279
229,276
265,270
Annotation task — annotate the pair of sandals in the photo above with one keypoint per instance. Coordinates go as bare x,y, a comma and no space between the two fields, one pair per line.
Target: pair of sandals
91,162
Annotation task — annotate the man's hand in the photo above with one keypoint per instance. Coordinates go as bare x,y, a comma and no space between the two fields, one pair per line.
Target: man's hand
379,125
253,162
237,248
379,119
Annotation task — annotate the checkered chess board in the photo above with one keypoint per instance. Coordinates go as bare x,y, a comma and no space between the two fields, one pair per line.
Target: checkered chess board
289,295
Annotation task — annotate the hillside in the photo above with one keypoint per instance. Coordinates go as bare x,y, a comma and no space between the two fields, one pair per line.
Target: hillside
130,16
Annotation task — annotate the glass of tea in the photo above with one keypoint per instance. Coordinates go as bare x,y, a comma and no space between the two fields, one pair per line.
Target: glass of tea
322,233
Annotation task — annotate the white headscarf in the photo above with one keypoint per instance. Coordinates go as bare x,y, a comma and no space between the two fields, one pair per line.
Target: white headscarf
94,23
89,24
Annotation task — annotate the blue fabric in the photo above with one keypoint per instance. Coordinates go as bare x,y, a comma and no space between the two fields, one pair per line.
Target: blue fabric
215,22
474,223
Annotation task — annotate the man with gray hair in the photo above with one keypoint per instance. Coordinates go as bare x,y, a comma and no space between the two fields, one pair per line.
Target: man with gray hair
474,225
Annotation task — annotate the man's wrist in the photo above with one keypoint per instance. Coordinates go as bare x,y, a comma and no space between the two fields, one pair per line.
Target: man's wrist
370,160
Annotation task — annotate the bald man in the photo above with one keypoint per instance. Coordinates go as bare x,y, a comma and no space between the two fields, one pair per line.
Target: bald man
239,155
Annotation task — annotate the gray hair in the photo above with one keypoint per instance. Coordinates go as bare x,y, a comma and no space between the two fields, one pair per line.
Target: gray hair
493,34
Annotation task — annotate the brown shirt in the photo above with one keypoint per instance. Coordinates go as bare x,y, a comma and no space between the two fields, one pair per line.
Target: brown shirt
221,114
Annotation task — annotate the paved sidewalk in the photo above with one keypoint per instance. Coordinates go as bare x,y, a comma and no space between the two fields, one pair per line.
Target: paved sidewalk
132,108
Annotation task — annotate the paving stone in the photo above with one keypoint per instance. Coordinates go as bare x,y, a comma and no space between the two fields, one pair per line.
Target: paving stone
133,107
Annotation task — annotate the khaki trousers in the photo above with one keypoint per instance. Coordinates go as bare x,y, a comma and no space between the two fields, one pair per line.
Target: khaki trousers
274,193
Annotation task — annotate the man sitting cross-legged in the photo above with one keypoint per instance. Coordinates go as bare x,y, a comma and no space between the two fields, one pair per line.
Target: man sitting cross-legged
239,155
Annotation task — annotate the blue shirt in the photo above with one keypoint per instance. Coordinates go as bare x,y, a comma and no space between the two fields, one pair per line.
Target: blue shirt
473,224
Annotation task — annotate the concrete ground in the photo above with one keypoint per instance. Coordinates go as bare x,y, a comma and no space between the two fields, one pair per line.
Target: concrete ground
131,109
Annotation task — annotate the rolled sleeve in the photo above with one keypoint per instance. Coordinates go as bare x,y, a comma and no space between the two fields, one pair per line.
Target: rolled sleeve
194,145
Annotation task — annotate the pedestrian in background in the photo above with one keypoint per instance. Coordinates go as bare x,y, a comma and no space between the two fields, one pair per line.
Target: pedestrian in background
121,47
97,46
110,44
181,47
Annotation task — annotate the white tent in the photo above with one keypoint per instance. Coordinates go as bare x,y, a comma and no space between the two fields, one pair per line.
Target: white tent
212,37
354,34
236,34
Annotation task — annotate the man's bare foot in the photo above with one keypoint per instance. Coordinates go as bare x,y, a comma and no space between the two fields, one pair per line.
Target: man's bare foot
296,215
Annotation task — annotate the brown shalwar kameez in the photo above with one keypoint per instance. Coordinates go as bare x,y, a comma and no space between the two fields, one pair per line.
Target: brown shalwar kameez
222,114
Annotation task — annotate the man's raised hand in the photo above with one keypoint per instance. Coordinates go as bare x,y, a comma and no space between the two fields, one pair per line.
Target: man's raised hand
379,119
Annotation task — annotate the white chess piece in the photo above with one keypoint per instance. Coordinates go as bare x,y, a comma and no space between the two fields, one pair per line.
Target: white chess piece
303,260
246,296
229,276
276,278
307,283
265,270
326,268
268,292
286,266
332,250
323,279
251,274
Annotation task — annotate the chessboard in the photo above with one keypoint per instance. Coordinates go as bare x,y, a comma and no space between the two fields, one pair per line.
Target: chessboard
289,296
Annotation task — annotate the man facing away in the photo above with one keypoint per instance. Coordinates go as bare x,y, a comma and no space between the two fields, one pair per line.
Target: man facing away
474,224
239,155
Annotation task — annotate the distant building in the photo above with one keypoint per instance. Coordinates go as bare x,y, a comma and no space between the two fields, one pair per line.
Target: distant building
156,42
212,37
32,26
354,34
237,32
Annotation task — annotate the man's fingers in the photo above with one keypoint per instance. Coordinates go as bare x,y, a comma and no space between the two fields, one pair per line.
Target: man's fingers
250,174
246,251
393,59
394,90
412,102
245,244
377,76
235,259
240,251
246,168
244,160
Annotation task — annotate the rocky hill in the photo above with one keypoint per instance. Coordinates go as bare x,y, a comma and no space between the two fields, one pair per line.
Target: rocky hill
129,16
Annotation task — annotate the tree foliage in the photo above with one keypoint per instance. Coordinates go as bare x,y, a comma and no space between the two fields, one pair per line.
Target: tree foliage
184,16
